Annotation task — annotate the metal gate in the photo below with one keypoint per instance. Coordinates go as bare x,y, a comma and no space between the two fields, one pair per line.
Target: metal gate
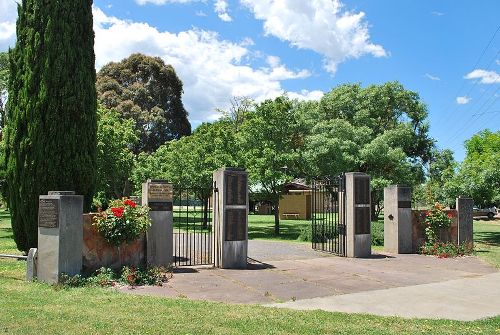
329,215
192,218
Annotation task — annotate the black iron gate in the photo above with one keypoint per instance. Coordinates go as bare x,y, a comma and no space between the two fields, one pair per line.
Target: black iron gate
192,216
329,215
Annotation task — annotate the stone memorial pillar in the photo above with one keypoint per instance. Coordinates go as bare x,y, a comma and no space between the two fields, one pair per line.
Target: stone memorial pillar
358,213
464,219
230,218
60,235
157,195
397,219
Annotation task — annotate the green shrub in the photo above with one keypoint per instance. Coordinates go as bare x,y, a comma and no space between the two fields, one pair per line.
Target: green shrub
448,249
378,233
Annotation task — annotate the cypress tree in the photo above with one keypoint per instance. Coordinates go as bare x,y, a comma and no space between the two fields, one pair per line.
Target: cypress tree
51,121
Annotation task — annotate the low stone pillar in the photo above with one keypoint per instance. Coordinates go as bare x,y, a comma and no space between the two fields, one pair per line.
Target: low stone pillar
464,219
358,215
60,235
397,219
230,218
157,195
31,264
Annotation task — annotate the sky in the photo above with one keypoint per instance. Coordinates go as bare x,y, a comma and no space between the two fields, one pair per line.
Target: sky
448,51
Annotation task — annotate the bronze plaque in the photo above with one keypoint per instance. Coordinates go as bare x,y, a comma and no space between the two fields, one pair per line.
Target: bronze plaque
160,206
362,220
236,189
235,228
361,190
48,213
160,191
404,204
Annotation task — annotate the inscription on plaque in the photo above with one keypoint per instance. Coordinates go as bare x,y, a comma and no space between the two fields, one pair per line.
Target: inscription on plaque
48,213
362,220
235,228
362,190
160,206
160,192
236,189
404,204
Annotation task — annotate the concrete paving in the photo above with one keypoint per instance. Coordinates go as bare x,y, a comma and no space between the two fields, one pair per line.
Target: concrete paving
465,299
281,272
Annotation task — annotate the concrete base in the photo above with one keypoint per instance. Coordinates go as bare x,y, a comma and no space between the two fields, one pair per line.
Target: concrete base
160,239
234,255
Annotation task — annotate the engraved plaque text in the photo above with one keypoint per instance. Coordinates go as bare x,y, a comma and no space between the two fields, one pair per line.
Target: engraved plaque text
235,228
160,192
48,213
362,220
362,190
236,189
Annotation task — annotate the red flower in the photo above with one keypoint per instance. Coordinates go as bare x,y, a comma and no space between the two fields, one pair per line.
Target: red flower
450,215
426,213
118,211
130,203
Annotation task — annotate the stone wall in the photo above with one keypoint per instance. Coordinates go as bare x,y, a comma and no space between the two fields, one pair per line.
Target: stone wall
418,229
98,253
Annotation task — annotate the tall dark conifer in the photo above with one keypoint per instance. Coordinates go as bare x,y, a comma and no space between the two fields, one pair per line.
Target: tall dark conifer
51,121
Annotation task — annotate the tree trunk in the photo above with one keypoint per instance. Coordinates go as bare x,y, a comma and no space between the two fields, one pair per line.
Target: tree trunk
276,218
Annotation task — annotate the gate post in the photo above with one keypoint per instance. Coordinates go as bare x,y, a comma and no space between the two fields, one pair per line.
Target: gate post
60,235
157,195
464,219
358,213
397,219
230,218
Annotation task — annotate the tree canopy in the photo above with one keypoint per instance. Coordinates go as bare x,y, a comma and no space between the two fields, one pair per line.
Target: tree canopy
148,91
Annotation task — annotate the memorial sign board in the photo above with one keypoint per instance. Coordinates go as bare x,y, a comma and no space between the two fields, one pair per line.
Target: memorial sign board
236,189
48,213
159,192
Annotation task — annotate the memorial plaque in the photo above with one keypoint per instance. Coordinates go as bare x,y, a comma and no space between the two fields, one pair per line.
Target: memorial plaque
161,206
404,204
236,189
159,191
235,227
48,213
361,190
362,220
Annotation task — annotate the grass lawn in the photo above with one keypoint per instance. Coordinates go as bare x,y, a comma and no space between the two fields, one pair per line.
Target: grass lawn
262,227
36,308
487,240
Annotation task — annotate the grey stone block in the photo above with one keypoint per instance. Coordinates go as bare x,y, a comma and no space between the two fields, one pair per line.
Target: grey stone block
358,220
60,236
397,219
465,219
31,264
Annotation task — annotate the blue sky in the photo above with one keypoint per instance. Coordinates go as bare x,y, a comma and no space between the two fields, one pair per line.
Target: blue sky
445,50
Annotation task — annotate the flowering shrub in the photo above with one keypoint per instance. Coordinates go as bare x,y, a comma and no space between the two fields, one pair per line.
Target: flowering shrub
435,220
446,250
123,222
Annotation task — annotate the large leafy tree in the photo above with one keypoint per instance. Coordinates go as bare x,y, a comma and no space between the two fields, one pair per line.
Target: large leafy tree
441,174
148,91
479,174
271,140
4,80
380,130
51,122
115,159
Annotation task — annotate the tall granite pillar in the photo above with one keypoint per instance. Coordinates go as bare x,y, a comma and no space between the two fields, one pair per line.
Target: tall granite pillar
397,219
230,218
60,235
157,195
464,219
358,213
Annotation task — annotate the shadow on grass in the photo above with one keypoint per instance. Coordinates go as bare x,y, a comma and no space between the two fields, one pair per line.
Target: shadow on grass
487,237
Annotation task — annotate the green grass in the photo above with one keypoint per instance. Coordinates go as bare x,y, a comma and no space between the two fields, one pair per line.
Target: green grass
487,240
36,308
262,227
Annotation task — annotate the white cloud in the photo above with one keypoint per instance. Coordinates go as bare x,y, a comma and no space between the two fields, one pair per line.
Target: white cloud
486,77
8,15
319,25
221,8
437,13
162,2
211,69
200,13
306,95
463,100
431,77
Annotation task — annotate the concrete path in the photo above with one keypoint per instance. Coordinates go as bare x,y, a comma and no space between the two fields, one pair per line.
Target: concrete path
463,299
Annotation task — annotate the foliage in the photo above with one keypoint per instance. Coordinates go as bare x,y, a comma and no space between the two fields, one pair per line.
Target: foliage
442,167
4,80
148,91
378,232
435,220
479,174
123,222
51,124
270,141
115,159
447,250
106,277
